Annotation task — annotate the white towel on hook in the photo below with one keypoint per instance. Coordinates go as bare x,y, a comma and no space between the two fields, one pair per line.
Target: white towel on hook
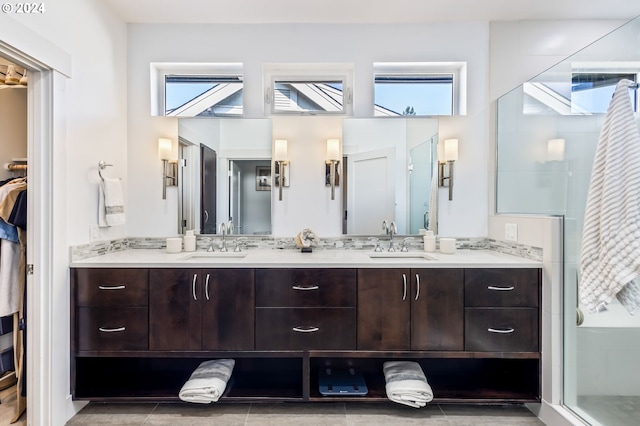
111,203
610,257
207,382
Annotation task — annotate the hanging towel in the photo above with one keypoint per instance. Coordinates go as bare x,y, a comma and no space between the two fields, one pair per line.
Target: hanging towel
111,203
406,383
433,202
207,382
610,257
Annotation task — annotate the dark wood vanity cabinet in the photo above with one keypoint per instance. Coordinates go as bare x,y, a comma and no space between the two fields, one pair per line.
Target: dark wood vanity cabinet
110,312
137,334
305,309
193,309
411,309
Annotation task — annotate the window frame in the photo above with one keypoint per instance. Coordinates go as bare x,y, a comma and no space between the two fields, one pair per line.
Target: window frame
161,70
307,73
457,71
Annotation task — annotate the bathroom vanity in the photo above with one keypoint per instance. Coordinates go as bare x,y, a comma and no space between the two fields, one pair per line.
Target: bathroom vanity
142,321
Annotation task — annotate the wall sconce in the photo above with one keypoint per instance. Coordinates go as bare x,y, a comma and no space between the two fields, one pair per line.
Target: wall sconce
446,157
555,150
169,168
332,178
281,174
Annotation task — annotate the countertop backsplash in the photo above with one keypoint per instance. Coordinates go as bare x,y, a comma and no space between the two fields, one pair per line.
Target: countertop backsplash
249,242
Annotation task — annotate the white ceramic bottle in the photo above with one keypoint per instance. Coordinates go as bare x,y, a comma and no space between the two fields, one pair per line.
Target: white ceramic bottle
189,241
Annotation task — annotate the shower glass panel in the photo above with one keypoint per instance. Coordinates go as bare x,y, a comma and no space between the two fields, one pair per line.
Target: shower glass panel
546,140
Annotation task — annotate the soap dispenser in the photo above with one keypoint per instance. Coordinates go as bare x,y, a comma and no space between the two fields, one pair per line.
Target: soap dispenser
189,241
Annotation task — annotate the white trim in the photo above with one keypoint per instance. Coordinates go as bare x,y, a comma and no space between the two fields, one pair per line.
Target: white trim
47,379
30,50
457,69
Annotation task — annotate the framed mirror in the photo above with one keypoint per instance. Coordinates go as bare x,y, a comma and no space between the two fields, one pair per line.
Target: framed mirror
389,167
224,176
387,170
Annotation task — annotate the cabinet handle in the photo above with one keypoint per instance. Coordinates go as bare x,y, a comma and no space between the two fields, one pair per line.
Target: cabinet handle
404,292
111,330
206,287
309,329
112,287
417,286
501,330
307,287
491,287
193,287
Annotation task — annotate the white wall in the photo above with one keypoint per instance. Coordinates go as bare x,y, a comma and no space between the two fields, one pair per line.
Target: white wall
360,45
13,127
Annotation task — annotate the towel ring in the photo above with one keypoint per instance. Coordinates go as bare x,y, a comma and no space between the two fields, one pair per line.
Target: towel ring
101,166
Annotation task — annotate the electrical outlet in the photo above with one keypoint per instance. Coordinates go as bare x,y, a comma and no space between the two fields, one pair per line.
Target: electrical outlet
511,232
94,232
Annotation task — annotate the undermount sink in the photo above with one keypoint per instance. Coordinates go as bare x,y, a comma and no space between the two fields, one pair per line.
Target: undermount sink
213,256
386,256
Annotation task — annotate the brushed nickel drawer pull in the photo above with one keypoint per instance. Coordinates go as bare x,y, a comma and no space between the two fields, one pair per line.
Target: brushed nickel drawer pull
305,329
417,286
111,330
501,330
112,287
491,287
404,292
304,288
206,288
193,287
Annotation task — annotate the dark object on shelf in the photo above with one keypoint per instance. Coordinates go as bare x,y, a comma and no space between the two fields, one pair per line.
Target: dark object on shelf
347,382
306,249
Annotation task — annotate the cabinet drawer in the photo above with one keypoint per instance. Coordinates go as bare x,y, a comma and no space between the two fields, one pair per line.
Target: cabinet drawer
501,329
305,328
306,288
112,287
112,329
501,287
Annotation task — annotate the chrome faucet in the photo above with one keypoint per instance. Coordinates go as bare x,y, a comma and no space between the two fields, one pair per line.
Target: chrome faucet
224,229
390,229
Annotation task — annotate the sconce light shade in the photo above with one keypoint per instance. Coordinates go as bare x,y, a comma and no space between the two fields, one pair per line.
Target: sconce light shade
164,148
280,150
451,150
333,149
555,150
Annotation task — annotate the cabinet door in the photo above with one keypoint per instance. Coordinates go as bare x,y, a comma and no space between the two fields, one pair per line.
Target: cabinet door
228,309
437,309
383,309
175,321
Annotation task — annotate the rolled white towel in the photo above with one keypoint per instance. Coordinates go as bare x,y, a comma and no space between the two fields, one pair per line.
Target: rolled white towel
207,382
406,383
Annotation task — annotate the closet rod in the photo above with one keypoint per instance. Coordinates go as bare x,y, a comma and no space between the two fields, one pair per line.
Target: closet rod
14,167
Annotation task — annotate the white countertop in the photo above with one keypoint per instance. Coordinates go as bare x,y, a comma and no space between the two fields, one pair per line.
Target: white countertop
159,258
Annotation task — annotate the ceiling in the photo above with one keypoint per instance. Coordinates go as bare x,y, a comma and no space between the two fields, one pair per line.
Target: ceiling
367,11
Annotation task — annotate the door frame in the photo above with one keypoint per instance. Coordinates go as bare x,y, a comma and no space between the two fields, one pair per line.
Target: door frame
47,248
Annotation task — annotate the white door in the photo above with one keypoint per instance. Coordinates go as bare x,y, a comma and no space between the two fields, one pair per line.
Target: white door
371,191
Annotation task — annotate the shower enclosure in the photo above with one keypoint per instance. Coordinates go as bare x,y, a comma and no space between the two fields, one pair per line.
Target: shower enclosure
547,131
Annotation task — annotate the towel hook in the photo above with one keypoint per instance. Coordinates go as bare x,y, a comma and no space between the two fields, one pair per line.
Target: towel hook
101,166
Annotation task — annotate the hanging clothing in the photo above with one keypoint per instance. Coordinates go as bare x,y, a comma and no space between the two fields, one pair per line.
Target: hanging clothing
610,257
11,255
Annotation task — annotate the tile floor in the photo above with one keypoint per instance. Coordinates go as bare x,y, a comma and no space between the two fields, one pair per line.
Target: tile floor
320,414
7,405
